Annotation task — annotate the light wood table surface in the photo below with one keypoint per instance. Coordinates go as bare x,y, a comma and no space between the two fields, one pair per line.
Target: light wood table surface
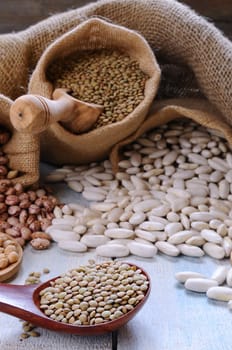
172,318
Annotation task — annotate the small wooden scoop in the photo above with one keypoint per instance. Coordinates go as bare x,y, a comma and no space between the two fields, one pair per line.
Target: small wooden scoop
23,301
34,113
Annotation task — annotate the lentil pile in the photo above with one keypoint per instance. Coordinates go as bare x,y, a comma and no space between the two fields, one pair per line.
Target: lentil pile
105,77
94,294
23,213
171,195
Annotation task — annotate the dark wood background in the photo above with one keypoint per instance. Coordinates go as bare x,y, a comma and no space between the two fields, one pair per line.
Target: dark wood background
19,14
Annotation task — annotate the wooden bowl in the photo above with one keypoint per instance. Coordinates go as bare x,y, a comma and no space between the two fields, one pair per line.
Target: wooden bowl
12,269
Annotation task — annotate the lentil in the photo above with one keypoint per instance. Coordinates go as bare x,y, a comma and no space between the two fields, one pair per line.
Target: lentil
101,306
105,77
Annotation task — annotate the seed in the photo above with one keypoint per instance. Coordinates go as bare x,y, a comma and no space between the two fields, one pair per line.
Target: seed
214,250
72,245
189,250
185,275
143,250
102,86
229,278
200,285
101,302
24,335
167,248
34,334
112,250
220,293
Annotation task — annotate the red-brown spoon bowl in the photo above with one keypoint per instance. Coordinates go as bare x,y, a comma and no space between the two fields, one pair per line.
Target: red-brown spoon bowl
23,301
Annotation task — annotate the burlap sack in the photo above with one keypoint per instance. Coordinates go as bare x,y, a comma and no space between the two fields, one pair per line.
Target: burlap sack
177,34
58,144
22,150
172,29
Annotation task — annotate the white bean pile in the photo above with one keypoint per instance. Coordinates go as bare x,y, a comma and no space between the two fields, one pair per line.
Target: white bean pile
217,287
172,195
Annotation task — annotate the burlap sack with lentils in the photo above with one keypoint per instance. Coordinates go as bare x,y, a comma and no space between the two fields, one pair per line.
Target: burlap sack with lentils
21,151
115,44
182,42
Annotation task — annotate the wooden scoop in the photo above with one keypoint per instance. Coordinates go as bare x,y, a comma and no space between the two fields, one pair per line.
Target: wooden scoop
34,113
23,301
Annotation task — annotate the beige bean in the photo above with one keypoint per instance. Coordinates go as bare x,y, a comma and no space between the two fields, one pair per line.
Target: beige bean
113,250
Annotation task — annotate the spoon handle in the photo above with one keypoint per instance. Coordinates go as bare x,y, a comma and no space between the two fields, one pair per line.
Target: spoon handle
34,113
17,300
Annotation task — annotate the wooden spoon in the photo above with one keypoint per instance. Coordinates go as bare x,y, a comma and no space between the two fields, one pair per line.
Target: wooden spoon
12,269
23,301
34,113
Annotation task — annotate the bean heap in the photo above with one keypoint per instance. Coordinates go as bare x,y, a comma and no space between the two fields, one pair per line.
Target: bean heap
9,253
23,213
5,171
105,77
172,194
94,294
218,286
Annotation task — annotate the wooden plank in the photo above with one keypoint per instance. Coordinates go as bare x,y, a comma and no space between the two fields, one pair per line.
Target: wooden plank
57,261
174,318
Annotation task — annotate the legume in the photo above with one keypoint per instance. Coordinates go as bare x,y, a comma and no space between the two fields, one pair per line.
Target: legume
9,253
94,294
105,77
157,197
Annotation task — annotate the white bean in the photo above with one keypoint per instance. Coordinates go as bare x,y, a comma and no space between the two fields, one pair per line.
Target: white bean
189,250
199,285
113,250
220,293
180,237
142,250
61,235
229,278
167,248
151,226
137,218
220,274
93,241
147,235
211,236
75,186
72,246
184,275
119,233
173,227
214,250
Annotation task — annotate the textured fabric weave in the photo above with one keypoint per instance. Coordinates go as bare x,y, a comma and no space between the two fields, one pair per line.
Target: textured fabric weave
58,144
176,33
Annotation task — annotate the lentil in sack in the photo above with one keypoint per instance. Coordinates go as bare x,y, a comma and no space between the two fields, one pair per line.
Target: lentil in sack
104,64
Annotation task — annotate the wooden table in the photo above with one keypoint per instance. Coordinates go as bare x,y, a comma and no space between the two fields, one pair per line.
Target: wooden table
172,318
